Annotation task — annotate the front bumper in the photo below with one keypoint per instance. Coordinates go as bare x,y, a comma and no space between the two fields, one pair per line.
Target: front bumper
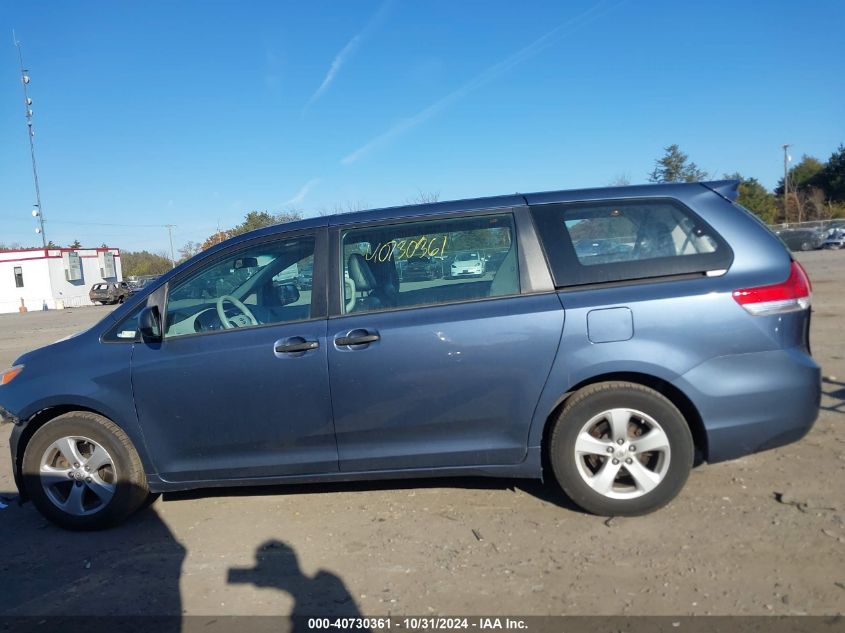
467,273
7,417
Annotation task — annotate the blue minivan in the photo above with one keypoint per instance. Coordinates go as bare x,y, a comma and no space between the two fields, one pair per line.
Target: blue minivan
612,337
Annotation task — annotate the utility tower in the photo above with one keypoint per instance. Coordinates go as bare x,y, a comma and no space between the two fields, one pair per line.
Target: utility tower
37,211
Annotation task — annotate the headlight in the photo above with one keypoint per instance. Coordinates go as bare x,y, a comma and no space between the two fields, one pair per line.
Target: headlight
9,375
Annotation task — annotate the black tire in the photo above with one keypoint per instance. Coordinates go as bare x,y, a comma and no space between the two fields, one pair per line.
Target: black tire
150,499
590,402
129,483
806,246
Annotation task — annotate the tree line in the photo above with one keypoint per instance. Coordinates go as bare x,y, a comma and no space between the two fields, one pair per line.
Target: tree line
815,190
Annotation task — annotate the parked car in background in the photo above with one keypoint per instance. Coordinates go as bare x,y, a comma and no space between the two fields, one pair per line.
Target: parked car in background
109,292
305,277
466,265
210,377
422,268
835,239
801,239
140,283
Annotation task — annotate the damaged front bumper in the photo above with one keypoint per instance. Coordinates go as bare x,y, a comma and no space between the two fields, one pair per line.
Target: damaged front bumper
7,417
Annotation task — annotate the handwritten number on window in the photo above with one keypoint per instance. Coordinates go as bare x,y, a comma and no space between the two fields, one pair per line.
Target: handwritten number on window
423,246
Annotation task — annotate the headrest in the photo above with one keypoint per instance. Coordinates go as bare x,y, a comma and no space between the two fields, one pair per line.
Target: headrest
360,273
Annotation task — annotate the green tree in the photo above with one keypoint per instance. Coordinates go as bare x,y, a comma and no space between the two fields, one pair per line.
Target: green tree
806,173
756,198
144,263
76,244
254,220
675,166
832,177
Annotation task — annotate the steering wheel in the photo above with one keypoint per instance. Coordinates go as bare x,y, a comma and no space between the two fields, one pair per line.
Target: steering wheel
244,319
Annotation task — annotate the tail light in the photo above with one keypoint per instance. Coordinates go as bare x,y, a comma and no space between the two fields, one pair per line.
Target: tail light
789,296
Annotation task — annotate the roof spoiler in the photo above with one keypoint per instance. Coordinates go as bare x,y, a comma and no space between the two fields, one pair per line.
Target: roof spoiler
728,189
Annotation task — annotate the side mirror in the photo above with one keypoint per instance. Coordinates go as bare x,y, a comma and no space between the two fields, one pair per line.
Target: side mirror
149,324
288,293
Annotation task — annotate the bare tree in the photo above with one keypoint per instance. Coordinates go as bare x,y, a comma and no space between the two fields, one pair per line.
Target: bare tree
289,214
620,180
424,197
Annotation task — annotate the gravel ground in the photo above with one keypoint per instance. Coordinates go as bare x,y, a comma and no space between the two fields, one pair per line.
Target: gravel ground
761,535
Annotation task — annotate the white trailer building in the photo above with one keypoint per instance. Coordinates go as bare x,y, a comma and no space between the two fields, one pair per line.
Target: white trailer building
54,277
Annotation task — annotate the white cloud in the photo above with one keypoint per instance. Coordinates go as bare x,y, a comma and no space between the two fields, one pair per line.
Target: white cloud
347,51
488,75
303,191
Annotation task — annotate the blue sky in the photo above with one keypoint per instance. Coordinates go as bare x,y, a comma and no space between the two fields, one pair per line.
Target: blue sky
193,113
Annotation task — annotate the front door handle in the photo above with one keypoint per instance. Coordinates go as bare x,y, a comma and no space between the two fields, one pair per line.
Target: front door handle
357,337
294,345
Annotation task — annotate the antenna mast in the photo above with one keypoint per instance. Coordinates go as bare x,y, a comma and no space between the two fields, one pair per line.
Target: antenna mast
38,212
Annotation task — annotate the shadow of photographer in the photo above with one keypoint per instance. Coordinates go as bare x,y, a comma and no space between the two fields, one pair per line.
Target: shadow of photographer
322,595
835,390
73,577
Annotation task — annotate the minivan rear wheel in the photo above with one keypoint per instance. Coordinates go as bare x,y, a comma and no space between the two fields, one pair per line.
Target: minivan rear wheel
82,472
620,449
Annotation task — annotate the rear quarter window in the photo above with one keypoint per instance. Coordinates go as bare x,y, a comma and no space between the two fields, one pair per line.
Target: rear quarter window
622,240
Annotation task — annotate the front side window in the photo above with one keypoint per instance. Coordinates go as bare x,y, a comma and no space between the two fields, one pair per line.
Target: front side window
596,242
254,286
18,277
428,263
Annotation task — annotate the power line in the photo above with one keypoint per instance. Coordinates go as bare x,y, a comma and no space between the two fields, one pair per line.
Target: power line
140,226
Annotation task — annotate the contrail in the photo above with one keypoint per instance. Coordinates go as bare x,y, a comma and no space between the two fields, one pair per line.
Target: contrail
347,51
485,77
303,191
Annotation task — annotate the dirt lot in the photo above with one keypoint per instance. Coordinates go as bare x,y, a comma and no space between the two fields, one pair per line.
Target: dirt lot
727,545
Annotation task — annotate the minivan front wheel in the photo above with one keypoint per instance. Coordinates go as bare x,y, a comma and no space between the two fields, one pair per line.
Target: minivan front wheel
620,449
82,472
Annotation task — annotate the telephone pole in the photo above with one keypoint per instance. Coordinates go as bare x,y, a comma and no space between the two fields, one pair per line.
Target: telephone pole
786,182
38,212
170,228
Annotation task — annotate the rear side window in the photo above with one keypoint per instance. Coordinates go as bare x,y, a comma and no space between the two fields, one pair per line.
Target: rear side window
623,240
430,262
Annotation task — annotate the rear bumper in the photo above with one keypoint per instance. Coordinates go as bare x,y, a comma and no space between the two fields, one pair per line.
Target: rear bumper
753,402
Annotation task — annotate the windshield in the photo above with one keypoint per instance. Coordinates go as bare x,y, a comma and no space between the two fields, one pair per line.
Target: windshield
463,257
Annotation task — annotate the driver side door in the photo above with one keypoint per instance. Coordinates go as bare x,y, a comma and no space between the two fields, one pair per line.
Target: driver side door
238,387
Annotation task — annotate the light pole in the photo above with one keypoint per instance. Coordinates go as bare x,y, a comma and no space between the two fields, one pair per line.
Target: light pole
38,212
170,228
786,183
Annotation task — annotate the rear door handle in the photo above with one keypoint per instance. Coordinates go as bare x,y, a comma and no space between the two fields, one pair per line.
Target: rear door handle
295,344
357,337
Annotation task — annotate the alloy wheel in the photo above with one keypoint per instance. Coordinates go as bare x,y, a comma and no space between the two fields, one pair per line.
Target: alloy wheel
622,453
78,475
